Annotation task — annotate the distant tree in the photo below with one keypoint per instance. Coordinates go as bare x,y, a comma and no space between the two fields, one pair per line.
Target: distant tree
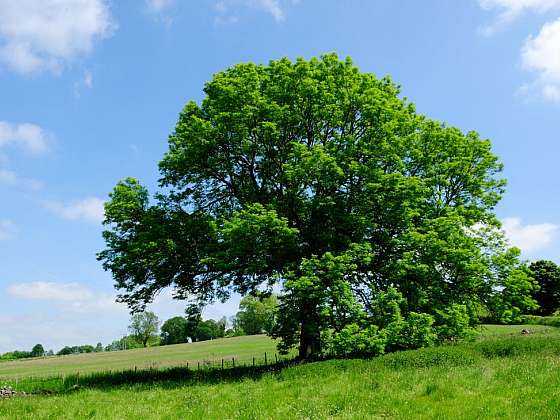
175,331
66,350
87,348
98,348
37,351
210,329
50,353
547,275
256,314
16,354
193,315
143,326
125,343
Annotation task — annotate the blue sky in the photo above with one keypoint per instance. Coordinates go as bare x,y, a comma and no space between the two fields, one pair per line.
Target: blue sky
90,89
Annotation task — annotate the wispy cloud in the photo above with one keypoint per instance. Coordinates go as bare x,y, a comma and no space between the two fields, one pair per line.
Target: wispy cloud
227,11
510,10
7,229
45,34
72,297
530,237
86,82
89,209
157,6
10,178
27,136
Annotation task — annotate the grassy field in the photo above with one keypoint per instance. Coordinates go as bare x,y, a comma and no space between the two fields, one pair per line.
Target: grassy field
242,348
504,374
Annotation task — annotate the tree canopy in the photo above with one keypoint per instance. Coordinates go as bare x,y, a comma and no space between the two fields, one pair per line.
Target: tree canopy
322,178
174,331
256,314
143,326
38,350
547,275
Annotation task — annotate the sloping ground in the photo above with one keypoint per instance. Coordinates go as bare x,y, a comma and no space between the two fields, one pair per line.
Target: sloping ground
242,348
504,375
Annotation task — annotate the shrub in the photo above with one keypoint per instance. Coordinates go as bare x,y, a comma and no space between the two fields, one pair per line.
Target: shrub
454,324
355,341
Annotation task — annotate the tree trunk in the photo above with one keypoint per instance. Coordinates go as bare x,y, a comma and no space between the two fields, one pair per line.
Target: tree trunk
310,337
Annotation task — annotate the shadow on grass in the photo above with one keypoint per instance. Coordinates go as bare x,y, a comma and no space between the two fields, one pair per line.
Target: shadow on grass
171,377
445,356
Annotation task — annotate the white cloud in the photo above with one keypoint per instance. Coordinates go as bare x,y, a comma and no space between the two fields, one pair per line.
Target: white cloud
11,179
86,82
7,229
541,54
72,297
88,79
227,9
157,6
45,34
510,10
8,177
528,238
87,210
272,7
40,290
59,314
28,136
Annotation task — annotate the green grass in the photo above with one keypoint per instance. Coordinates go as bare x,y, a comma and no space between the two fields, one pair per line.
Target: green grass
504,374
204,352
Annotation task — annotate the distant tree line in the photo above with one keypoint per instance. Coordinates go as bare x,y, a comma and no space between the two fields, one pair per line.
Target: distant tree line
259,313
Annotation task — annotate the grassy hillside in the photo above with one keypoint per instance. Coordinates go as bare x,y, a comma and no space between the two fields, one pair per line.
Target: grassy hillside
242,348
502,375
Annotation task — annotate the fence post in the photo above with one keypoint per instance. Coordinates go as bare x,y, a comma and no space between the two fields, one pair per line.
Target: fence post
187,365
276,357
222,364
233,360
265,361
198,363
253,361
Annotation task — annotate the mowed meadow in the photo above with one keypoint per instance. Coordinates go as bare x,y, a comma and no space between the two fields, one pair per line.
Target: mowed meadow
242,349
503,374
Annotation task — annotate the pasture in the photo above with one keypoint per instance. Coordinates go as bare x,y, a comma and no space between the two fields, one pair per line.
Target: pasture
504,374
243,349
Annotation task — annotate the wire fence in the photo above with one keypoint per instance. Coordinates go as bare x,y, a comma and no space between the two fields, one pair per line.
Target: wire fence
206,370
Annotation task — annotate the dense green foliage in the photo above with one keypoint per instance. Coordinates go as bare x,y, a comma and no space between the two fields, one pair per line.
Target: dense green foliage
86,348
210,330
501,376
175,331
16,354
37,350
547,275
256,315
321,177
552,321
144,326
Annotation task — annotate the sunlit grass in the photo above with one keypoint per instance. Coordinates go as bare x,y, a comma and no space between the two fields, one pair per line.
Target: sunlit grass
243,349
504,374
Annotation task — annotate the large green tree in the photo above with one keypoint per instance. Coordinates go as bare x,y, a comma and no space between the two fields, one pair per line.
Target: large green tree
285,163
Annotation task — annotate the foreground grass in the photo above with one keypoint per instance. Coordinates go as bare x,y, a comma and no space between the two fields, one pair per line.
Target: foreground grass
242,348
503,375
